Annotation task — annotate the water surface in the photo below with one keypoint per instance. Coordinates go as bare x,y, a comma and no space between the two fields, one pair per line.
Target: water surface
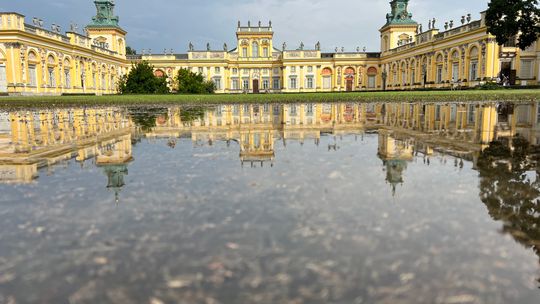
303,203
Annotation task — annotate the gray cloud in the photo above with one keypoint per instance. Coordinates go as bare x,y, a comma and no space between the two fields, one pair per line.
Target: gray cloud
173,24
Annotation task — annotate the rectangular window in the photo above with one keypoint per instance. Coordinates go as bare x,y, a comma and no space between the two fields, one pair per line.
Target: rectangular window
439,73
292,83
103,82
32,76
327,82
276,71
217,70
234,84
413,77
266,84
294,111
52,79
67,78
201,70
471,114
244,52
217,83
455,72
235,71
265,52
473,73
526,69
310,69
293,69
245,84
309,82
276,85
371,82
245,71
265,71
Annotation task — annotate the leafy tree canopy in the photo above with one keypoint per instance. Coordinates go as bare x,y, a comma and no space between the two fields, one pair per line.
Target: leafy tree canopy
193,83
141,80
508,19
130,51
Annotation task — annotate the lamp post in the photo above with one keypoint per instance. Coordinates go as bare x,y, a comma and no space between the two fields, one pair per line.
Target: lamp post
384,75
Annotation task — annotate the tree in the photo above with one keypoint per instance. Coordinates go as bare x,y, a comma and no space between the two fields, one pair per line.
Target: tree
141,80
130,51
193,83
508,19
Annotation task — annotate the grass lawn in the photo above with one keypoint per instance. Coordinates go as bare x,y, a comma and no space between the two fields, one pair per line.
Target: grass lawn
413,96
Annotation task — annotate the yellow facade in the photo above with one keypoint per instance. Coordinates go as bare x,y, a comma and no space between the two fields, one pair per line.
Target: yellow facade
34,60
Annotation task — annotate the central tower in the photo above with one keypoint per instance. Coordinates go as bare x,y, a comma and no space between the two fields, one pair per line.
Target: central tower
400,28
105,31
255,41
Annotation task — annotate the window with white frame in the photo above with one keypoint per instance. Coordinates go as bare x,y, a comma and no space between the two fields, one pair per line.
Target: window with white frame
293,69
309,82
371,81
245,84
265,84
217,70
276,84
310,69
67,77
255,50
473,73
244,52
32,75
439,73
217,83
52,79
265,52
235,71
526,71
234,84
292,83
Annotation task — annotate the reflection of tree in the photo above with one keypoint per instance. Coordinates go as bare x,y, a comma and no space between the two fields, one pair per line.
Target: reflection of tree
510,188
192,113
145,118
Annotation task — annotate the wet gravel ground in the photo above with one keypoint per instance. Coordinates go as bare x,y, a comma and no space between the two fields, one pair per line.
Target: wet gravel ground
194,226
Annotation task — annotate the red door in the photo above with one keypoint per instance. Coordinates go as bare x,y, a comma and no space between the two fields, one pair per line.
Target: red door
350,84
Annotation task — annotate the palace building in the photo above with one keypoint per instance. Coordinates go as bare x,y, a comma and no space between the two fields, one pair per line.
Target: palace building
35,60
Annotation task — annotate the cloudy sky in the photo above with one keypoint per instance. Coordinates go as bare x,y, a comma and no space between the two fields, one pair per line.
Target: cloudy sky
159,24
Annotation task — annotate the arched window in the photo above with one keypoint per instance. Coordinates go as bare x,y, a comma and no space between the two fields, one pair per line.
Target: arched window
33,62
327,78
255,50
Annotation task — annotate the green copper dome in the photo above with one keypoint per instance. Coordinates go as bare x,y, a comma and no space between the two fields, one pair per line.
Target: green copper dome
105,15
400,14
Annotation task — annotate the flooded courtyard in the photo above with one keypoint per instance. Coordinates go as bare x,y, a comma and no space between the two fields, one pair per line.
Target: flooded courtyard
340,203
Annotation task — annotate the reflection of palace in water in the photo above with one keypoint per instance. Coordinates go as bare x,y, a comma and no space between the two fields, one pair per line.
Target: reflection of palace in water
30,140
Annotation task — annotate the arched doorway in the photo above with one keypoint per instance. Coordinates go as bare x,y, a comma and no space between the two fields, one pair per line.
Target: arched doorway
349,79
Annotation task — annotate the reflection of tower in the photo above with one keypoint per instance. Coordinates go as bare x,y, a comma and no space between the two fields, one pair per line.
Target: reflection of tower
115,175
394,154
257,147
113,156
